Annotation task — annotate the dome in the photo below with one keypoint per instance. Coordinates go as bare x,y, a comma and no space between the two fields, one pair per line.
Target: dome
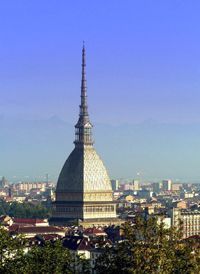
84,171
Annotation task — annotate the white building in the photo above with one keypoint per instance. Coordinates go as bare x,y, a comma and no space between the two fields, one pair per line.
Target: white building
187,220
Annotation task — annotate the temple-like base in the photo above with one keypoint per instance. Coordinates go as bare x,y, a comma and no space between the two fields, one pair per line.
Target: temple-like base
85,223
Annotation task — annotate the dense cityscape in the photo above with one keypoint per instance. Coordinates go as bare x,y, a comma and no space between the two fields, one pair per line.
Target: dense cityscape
26,208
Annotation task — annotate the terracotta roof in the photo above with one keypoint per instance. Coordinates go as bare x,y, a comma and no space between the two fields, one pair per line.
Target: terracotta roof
48,237
94,231
13,228
35,229
28,221
77,243
196,237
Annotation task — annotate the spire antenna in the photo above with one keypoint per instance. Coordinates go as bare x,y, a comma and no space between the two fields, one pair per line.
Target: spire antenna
83,127
83,83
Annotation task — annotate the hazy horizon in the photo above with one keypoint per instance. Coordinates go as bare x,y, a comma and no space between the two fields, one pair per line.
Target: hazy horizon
155,151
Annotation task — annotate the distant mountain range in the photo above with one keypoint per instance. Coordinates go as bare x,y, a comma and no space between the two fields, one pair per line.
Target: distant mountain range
148,150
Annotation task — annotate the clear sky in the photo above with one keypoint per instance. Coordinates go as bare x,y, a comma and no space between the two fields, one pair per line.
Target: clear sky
143,60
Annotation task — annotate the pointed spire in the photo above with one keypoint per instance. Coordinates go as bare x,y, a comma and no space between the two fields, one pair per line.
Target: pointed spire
83,107
83,127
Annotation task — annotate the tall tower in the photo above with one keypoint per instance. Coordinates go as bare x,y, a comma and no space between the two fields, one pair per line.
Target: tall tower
83,192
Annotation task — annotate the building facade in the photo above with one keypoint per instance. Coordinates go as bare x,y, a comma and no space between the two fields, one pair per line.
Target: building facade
166,185
115,185
28,186
83,192
187,220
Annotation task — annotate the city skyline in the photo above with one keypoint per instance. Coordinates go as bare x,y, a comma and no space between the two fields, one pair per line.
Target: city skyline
141,67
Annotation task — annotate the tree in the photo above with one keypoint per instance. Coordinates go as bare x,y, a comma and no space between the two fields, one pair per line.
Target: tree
50,258
11,252
4,207
149,248
53,258
24,210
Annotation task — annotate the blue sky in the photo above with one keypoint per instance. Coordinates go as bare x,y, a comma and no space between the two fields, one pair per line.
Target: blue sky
143,61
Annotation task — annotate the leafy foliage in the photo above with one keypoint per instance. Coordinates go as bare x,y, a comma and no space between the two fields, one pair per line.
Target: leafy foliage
149,248
51,258
11,252
24,210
